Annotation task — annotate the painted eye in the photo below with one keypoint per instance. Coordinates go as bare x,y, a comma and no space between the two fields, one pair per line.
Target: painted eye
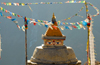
57,42
49,42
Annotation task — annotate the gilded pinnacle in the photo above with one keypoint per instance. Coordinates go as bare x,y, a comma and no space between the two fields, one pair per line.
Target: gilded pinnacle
53,16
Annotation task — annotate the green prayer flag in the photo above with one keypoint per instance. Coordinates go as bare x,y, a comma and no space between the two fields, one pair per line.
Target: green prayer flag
91,4
15,14
7,4
39,24
73,23
3,9
58,2
78,26
20,3
75,14
33,3
66,23
70,1
80,22
46,3
28,18
82,1
82,7
41,21
57,22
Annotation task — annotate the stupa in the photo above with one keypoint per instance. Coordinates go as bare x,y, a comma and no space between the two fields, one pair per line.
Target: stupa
53,51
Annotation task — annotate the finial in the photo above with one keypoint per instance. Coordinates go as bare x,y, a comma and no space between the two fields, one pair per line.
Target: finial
54,20
53,16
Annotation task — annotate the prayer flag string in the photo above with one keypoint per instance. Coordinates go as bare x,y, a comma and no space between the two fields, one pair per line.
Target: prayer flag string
77,25
37,3
11,13
63,25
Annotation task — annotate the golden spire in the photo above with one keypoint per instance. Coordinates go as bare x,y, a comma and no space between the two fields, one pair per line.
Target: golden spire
54,20
55,32
53,16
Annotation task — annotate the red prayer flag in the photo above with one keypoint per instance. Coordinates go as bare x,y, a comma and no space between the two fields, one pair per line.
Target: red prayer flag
25,24
25,19
4,3
6,11
88,24
89,17
18,15
30,19
79,1
63,23
17,4
74,26
54,27
9,17
93,16
67,1
34,23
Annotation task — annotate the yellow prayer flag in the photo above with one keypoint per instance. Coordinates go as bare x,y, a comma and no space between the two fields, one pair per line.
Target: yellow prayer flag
59,22
39,21
23,4
95,53
36,3
13,14
87,10
61,3
83,1
89,61
68,18
72,1
48,2
1,8
10,4
97,10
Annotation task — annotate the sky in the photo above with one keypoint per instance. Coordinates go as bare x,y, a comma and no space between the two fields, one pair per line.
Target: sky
13,39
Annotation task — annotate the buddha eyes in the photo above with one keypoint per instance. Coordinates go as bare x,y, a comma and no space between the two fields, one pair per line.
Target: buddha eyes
49,42
54,43
57,42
